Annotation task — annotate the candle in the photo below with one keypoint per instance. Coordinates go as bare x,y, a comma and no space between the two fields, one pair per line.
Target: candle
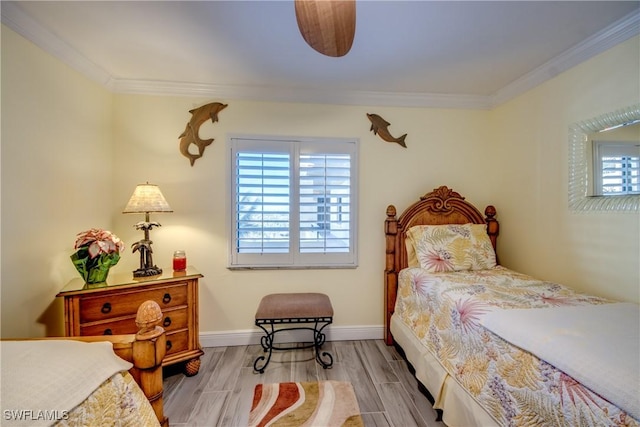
179,261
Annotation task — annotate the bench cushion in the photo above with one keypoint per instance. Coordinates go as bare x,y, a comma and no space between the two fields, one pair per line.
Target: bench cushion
294,306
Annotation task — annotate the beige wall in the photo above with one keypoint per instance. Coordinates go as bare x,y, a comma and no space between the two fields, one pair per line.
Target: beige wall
489,156
57,165
593,252
146,139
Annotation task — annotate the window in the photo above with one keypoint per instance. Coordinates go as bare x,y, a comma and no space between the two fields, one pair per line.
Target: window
616,168
294,203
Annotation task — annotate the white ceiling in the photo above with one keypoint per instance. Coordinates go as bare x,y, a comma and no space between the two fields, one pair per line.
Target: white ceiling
461,54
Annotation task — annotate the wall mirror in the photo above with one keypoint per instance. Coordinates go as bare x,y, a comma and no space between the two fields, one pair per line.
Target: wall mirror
581,171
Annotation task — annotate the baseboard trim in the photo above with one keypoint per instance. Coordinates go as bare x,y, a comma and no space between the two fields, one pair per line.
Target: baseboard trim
249,337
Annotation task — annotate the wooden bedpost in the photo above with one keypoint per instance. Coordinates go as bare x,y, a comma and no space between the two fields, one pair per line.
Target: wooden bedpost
390,272
493,228
149,349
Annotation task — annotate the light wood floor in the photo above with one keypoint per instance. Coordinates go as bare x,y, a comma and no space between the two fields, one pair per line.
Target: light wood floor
221,393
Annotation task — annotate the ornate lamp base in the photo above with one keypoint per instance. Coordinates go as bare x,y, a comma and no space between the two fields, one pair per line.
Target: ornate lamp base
147,271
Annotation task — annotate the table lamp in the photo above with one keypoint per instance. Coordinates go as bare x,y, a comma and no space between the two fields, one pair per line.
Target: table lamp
146,198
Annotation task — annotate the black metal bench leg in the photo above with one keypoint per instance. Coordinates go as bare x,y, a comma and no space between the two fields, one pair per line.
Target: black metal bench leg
267,345
319,340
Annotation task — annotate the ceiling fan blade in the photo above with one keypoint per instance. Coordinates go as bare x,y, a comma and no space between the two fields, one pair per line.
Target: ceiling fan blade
328,26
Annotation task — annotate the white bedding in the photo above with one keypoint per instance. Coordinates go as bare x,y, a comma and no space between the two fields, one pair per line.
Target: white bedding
46,379
598,345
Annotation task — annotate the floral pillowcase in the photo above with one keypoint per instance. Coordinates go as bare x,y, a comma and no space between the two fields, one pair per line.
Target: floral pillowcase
451,247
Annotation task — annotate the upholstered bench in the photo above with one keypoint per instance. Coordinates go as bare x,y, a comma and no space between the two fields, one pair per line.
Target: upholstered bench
293,309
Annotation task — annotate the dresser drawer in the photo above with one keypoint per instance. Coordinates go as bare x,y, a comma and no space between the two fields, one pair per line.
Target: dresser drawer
124,326
174,319
93,309
171,320
177,341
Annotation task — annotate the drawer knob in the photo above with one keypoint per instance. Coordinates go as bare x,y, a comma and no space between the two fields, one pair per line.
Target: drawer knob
167,321
106,308
166,298
169,345
108,331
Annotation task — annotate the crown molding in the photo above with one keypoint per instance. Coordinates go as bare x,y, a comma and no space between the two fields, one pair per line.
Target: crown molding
618,32
20,22
300,95
15,18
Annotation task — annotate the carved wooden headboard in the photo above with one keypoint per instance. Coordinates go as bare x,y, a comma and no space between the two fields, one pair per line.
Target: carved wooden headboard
441,206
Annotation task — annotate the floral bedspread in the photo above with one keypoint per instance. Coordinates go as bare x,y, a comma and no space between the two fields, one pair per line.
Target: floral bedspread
118,402
515,387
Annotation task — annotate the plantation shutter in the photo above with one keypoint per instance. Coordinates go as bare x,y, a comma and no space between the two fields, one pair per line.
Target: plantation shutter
325,190
263,202
617,168
293,203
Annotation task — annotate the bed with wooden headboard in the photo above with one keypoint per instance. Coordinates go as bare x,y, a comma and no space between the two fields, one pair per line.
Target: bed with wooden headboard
78,380
440,206
459,318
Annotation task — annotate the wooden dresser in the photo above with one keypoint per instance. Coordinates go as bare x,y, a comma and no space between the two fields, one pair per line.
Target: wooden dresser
110,308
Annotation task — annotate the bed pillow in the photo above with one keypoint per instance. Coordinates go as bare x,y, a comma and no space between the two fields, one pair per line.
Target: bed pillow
412,260
452,247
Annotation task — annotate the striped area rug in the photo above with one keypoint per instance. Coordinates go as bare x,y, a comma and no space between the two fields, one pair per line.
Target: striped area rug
294,404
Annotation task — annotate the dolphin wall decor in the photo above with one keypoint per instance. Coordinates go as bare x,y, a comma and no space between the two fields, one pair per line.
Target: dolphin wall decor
191,132
379,127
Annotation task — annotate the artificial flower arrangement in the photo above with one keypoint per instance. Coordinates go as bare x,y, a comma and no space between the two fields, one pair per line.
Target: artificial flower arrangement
97,251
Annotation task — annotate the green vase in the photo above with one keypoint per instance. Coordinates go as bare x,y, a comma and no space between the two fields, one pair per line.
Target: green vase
94,270
97,274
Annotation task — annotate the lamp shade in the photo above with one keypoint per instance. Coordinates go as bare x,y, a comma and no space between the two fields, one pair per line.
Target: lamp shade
147,198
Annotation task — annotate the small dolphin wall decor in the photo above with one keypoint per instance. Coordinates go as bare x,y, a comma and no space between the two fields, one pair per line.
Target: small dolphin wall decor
379,127
191,132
